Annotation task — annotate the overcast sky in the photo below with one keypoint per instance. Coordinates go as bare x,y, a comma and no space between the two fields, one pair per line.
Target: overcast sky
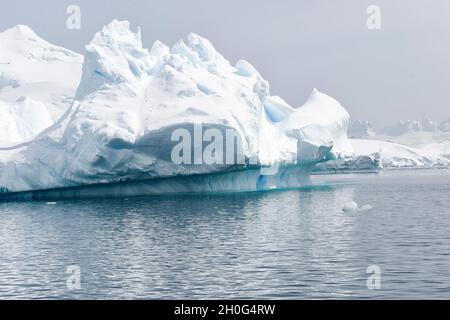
401,71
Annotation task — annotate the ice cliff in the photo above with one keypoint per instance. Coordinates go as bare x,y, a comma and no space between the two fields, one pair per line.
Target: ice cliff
130,102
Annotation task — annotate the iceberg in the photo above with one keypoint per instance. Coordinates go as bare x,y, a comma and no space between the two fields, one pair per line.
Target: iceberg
352,206
36,69
170,120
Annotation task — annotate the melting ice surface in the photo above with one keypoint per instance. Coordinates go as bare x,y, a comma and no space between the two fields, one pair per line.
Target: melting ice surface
115,138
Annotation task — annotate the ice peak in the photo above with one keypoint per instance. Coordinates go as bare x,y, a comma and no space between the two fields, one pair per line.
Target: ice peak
159,49
314,93
22,31
24,35
117,27
317,98
245,69
114,56
203,47
21,39
117,32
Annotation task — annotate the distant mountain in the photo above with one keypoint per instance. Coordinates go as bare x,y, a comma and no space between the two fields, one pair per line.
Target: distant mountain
361,129
408,143
407,126
444,126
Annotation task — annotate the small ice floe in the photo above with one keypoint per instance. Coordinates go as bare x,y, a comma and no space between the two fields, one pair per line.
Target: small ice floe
50,203
352,206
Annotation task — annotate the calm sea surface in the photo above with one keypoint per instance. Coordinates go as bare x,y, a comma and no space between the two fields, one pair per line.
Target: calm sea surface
283,244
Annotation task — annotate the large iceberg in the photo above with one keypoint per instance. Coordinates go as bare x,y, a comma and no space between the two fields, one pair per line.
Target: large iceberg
179,119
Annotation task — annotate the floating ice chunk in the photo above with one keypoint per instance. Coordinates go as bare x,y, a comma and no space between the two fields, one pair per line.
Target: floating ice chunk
50,203
352,206
365,207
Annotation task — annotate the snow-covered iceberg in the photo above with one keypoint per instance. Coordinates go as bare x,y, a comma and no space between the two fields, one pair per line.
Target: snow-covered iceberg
134,107
34,68
37,84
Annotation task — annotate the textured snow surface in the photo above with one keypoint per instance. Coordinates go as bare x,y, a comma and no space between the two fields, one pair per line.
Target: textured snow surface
406,126
37,85
22,120
360,163
130,100
394,155
361,129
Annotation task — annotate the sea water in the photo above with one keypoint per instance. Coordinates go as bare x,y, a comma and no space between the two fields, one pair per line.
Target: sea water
290,244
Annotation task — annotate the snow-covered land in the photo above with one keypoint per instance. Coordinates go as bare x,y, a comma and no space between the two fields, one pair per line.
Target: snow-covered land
361,129
407,144
130,103
408,126
394,155
39,73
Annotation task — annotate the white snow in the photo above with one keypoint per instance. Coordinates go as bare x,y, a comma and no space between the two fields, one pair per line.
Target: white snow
394,155
352,206
433,143
408,144
32,67
130,100
360,163
22,120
